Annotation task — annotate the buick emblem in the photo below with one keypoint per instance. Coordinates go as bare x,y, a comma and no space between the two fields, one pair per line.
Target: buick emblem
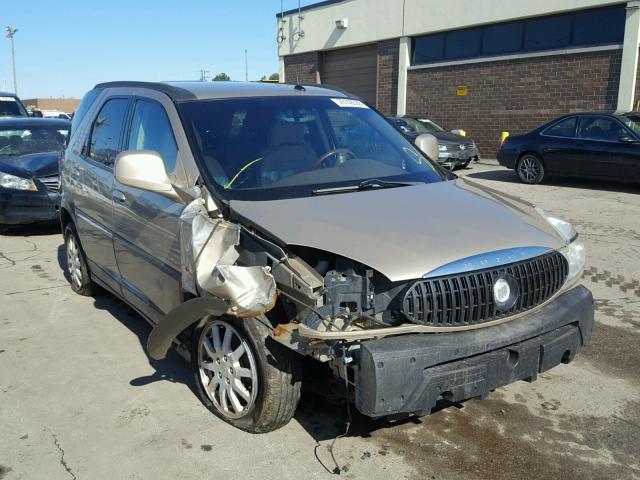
505,292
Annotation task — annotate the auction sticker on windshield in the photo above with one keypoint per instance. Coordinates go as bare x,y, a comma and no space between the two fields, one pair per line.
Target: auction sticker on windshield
348,103
7,99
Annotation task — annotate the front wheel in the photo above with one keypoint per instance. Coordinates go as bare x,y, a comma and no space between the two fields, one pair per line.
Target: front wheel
243,376
530,169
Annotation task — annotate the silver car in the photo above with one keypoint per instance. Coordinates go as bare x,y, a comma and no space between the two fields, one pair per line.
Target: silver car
254,225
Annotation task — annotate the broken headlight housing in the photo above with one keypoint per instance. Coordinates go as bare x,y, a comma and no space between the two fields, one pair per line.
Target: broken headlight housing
574,250
16,183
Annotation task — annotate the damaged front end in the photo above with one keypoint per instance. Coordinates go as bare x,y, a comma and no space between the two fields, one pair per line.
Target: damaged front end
367,328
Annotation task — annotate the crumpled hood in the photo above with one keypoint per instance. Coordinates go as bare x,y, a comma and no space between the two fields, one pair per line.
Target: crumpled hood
32,165
406,232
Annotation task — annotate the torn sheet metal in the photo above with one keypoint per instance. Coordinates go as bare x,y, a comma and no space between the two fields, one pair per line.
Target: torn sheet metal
209,249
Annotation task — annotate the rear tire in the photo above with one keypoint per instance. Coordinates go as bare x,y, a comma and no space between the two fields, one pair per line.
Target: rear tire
77,268
530,169
243,376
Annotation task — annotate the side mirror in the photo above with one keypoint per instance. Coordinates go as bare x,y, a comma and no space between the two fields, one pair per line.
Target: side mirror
144,169
428,144
627,139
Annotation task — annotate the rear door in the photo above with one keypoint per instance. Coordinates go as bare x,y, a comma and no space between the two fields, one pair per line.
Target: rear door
147,224
94,204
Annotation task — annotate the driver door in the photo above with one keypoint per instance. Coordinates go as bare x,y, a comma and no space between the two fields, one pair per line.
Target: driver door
146,240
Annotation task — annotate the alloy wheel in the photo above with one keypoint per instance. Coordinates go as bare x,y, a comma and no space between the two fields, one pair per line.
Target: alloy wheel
529,169
227,369
73,261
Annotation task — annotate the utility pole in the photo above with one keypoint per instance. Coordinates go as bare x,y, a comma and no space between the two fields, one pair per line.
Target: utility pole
10,33
203,75
246,66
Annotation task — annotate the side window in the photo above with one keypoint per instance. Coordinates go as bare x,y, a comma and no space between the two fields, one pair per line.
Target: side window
565,128
105,131
600,128
151,130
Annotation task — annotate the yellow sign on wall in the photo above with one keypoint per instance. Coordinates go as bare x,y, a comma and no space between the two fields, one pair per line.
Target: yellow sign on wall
462,91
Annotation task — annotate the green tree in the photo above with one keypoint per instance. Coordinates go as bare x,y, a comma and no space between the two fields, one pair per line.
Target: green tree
221,76
274,76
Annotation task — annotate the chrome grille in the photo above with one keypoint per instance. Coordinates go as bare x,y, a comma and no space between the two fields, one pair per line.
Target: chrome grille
467,298
51,183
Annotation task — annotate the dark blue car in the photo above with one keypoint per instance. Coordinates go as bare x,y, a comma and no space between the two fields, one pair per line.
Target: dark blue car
29,152
588,145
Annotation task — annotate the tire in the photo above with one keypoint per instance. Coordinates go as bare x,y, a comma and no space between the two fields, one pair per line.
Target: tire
268,373
530,169
466,164
77,268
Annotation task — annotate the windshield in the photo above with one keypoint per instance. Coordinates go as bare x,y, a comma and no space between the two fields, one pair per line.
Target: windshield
281,147
416,126
31,140
10,107
632,121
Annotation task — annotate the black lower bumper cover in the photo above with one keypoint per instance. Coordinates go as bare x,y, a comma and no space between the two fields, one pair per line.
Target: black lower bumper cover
413,373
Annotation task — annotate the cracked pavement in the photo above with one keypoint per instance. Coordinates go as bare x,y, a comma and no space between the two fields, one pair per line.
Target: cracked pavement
80,399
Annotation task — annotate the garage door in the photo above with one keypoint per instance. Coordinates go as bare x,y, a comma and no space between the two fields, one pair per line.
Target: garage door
353,69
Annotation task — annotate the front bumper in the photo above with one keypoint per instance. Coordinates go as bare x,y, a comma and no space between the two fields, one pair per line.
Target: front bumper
18,207
413,373
457,157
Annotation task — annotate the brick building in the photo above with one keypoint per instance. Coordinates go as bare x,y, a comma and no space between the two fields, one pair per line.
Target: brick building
67,105
481,65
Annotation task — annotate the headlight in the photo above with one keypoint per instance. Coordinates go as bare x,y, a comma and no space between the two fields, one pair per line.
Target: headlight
442,148
16,183
576,256
574,251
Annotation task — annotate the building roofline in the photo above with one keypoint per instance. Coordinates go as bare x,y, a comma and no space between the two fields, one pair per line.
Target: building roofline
308,7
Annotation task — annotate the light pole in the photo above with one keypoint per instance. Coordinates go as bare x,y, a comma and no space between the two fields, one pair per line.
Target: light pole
10,33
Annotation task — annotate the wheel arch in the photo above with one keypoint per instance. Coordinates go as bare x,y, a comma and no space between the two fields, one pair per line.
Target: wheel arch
531,151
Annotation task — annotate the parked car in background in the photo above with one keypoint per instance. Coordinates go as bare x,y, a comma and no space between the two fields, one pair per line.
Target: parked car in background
590,145
29,153
11,106
50,114
256,224
454,150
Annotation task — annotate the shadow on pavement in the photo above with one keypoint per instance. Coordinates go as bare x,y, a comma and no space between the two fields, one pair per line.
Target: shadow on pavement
173,368
505,175
31,230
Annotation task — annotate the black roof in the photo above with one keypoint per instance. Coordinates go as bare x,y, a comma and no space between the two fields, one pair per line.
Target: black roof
28,122
8,94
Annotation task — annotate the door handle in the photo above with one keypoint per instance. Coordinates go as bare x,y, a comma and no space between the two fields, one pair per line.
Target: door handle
118,196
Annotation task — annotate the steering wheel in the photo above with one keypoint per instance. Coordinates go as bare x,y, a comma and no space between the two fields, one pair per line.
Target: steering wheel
330,154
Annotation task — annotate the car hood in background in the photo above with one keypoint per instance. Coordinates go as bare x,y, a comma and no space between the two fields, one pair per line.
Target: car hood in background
443,137
405,232
34,164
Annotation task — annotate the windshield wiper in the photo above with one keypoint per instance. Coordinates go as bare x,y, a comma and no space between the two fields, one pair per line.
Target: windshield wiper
371,184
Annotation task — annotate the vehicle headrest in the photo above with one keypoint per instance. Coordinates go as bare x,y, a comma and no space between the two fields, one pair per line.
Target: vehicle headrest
286,133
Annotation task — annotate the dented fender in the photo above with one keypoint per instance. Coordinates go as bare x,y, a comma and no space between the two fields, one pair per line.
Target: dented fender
178,319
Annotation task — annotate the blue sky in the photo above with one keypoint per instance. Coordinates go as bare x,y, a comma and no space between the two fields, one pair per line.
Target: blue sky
65,47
